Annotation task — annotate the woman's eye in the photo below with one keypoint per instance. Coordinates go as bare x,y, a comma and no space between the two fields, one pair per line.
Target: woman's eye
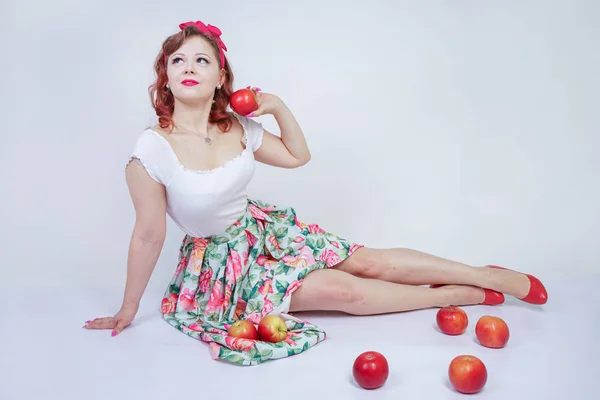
176,60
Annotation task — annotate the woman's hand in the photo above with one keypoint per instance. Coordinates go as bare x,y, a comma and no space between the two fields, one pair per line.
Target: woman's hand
117,323
267,103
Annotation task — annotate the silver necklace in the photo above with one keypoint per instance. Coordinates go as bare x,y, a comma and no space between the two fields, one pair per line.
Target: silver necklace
207,138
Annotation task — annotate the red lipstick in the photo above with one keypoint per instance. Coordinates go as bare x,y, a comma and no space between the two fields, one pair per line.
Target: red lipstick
189,82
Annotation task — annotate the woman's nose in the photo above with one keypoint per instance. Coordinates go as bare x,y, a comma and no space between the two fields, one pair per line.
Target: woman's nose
189,69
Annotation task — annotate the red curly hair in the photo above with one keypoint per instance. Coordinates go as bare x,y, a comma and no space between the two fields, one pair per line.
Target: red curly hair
162,99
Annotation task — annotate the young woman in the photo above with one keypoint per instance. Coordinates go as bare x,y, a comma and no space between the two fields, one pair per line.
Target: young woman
243,258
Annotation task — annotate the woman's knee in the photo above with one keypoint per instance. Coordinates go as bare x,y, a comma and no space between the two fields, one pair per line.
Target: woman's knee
343,292
328,290
364,263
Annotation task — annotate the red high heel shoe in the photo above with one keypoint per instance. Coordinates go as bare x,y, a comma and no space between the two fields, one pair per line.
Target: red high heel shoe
537,292
492,298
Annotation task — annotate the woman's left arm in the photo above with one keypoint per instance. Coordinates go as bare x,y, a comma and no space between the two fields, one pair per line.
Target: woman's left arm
288,151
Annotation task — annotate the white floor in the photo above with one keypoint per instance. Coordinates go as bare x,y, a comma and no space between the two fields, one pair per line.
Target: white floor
553,352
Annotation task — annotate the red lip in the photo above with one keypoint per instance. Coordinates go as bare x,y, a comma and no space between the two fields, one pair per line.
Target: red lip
189,82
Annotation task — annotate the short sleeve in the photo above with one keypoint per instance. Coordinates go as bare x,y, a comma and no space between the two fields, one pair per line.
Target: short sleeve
152,152
254,131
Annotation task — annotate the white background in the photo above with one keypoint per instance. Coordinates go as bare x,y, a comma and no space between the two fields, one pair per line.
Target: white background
466,129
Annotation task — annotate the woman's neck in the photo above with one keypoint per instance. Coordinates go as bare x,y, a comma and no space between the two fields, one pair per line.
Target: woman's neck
192,117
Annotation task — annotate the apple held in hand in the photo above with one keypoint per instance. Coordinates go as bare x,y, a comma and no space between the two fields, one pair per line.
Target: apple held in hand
243,329
452,320
272,329
492,332
243,102
467,374
370,370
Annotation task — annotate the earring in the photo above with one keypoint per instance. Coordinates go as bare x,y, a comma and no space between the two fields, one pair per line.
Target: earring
167,86
219,86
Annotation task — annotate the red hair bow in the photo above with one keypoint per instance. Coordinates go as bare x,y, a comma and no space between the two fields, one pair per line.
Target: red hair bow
212,31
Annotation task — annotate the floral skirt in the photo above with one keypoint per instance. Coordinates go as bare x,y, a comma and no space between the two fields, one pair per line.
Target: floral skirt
247,272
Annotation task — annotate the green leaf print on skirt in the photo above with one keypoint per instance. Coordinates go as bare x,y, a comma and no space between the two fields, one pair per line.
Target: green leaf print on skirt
247,272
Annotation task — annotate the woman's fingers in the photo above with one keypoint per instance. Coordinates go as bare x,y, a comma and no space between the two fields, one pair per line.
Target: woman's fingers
101,323
121,324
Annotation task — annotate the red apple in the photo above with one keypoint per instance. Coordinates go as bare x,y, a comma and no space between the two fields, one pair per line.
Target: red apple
243,329
452,320
272,329
467,374
492,332
370,370
243,102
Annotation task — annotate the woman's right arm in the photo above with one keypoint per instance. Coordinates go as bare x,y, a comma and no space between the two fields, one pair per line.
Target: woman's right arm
147,239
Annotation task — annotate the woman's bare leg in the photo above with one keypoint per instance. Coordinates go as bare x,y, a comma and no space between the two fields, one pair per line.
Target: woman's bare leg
413,267
335,290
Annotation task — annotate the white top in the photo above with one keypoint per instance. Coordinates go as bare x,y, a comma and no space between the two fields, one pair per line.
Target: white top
201,203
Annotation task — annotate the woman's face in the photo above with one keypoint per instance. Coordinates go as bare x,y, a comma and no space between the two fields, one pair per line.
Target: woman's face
193,71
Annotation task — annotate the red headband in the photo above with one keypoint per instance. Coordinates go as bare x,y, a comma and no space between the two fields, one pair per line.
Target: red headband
212,31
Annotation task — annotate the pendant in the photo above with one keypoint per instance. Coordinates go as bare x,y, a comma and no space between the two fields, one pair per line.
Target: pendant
208,141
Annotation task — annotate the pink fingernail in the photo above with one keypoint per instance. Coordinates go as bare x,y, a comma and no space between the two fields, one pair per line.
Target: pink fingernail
250,115
114,333
258,89
88,321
